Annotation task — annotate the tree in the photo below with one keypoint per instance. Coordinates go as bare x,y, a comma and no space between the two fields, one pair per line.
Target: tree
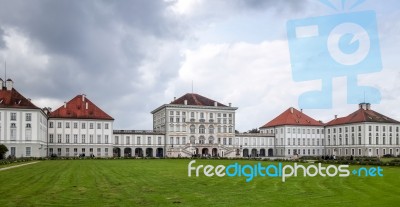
3,150
254,131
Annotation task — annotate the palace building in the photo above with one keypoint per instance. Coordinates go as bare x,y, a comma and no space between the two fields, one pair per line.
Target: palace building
296,134
79,127
364,132
192,125
23,126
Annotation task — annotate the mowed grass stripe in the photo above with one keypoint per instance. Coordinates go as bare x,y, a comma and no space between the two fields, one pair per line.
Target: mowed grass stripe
165,183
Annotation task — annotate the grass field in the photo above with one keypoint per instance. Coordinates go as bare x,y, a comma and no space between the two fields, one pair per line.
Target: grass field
166,183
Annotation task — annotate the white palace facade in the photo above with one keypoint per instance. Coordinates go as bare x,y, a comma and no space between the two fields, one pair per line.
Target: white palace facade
192,125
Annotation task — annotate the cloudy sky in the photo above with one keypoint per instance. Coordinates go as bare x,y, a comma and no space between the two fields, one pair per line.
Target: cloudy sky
130,57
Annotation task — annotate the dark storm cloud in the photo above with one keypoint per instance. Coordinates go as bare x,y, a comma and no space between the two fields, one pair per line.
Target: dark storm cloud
95,47
2,42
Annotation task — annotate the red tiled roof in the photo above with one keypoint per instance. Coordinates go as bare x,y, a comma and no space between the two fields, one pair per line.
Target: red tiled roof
13,99
362,115
292,116
196,99
76,109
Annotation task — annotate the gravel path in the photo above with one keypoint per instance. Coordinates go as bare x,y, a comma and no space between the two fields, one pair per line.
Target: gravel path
6,168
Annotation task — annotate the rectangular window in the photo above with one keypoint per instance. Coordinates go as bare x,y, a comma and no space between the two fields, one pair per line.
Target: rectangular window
59,124
67,138
75,138
67,125
106,139
91,138
83,125
51,124
83,138
99,139
75,125
98,125
13,116
138,140
51,138
148,140
127,140
28,151
58,138
90,125
106,126
28,117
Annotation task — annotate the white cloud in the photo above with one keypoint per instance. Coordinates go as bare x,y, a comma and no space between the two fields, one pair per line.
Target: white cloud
254,77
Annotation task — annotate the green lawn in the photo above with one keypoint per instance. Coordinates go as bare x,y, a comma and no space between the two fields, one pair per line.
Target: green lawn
166,183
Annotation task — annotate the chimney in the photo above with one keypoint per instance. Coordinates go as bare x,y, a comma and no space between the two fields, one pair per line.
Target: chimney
230,104
215,103
87,105
301,110
368,106
83,97
9,84
185,102
291,110
335,116
364,106
174,98
1,84
65,104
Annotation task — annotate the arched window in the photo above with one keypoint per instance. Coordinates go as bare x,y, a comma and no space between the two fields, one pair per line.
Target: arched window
202,140
192,129
192,140
211,140
211,129
202,129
